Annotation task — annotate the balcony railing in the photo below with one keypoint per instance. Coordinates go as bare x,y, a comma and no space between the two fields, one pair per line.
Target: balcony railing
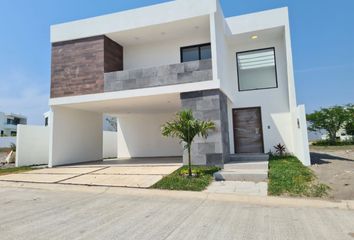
10,126
187,72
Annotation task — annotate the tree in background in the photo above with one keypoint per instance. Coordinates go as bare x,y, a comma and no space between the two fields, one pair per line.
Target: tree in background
186,128
349,127
331,119
112,121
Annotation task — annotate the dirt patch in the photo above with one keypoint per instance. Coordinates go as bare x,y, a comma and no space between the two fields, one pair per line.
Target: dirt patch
334,166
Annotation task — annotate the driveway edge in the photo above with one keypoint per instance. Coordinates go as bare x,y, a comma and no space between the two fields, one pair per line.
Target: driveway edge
227,197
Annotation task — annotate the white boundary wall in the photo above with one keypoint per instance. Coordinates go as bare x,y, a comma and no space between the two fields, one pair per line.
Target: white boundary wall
110,144
32,146
302,141
5,142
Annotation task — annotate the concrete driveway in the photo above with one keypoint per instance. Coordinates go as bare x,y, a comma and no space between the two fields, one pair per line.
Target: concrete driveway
137,172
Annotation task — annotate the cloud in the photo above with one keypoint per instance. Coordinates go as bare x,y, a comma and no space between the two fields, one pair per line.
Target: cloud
20,93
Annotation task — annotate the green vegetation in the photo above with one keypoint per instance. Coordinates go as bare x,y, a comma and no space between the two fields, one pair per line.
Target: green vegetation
332,120
4,171
332,148
288,176
179,179
335,143
185,127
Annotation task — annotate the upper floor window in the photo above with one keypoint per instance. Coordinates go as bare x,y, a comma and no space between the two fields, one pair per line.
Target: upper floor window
196,52
256,69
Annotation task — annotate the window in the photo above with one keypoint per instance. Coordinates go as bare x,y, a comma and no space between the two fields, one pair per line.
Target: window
256,69
46,121
196,52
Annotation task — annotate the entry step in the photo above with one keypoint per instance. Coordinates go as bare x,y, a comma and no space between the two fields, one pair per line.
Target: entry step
244,167
247,157
254,175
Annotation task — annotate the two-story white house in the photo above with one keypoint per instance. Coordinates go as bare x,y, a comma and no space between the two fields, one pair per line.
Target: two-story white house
9,122
146,64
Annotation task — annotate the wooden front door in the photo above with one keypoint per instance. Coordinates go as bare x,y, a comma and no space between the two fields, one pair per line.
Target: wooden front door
248,135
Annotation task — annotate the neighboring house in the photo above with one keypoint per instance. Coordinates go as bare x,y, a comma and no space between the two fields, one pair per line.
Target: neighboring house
146,64
9,122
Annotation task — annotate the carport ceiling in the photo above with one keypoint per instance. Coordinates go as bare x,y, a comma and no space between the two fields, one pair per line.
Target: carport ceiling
148,104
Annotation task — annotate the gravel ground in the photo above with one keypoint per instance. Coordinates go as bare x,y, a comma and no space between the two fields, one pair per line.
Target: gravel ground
334,166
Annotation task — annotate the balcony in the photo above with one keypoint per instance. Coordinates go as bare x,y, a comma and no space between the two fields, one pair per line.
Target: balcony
10,126
187,72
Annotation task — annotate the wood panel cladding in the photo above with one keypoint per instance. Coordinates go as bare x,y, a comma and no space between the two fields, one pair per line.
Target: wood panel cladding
78,66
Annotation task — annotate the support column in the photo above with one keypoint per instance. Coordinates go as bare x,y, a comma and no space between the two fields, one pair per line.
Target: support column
75,136
209,105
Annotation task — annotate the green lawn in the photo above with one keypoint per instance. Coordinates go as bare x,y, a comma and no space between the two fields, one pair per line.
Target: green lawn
287,176
179,181
4,171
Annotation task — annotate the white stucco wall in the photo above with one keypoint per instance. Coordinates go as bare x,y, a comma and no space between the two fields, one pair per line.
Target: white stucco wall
110,144
32,146
137,18
301,138
278,105
159,53
139,135
274,103
76,136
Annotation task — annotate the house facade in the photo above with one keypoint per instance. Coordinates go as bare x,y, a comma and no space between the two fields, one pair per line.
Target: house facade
146,64
9,122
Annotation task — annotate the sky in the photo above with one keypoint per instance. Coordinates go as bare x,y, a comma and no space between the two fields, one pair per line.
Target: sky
322,42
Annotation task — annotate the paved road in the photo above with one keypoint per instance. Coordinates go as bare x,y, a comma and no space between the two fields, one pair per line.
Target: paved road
50,213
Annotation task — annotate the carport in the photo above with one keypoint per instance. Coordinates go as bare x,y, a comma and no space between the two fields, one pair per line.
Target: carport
76,128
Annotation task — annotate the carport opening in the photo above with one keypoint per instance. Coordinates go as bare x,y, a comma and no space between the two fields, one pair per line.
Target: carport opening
80,132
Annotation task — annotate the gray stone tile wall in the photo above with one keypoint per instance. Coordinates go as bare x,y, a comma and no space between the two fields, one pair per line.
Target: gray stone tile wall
209,105
188,72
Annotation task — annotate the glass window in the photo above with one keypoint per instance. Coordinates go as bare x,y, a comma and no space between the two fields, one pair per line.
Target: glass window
205,52
256,69
194,53
190,54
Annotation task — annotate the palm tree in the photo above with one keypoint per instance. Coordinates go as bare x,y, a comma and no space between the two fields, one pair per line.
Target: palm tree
186,127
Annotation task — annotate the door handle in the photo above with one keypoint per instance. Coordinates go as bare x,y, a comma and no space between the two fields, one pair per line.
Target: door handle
257,130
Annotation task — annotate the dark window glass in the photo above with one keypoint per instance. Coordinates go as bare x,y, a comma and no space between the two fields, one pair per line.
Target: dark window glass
190,54
46,121
205,52
194,53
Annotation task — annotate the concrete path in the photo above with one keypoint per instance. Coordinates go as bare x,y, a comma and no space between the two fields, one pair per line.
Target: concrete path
239,187
139,173
53,211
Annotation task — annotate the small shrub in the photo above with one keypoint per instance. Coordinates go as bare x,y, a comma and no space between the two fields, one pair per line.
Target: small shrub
280,149
331,143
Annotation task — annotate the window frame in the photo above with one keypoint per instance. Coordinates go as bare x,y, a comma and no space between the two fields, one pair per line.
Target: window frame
275,69
193,46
